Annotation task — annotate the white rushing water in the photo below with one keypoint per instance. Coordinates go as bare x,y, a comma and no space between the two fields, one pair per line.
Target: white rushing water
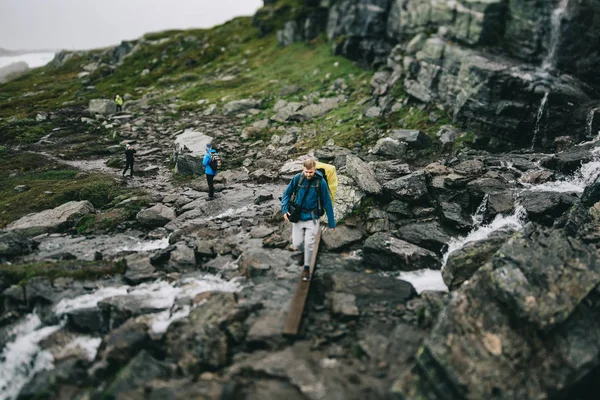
424,279
33,60
22,357
538,120
143,246
512,222
550,60
576,183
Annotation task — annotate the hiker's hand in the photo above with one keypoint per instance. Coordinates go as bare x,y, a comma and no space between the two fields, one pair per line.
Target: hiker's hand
286,216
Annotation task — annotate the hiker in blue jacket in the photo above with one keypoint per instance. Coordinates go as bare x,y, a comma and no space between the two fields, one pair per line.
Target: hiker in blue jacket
306,186
210,171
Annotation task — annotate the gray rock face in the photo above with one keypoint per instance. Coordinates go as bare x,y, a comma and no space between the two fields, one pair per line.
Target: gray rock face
102,106
385,252
363,174
463,263
534,291
189,164
55,220
13,245
411,188
200,341
240,106
544,207
156,216
471,84
12,71
414,138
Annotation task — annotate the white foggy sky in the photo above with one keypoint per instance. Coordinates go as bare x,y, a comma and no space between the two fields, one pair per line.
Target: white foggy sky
88,24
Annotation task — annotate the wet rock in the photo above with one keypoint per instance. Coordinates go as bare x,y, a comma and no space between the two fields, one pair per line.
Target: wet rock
389,147
410,188
182,258
13,245
363,174
464,262
429,235
156,216
199,341
343,305
343,236
88,320
261,232
120,346
142,369
121,308
102,106
533,292
266,328
414,138
139,269
385,252
454,215
545,207
388,170
54,220
256,262
47,384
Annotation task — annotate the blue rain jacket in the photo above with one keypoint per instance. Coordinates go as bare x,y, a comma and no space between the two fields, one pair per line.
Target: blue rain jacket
309,198
207,169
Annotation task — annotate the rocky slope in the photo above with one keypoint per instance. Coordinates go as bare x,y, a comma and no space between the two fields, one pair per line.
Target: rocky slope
454,273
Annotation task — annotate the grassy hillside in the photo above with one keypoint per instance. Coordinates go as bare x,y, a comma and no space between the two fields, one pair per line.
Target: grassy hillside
187,70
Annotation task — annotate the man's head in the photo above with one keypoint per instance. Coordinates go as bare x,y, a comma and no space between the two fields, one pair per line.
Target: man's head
309,167
128,146
208,147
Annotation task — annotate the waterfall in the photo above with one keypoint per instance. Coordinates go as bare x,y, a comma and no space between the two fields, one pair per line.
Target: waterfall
512,222
550,60
538,119
481,213
589,123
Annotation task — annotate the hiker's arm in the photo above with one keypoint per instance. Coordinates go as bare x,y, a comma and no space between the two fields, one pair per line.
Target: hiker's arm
287,194
327,204
206,159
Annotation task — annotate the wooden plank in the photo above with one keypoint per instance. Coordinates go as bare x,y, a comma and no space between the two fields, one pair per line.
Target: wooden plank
292,323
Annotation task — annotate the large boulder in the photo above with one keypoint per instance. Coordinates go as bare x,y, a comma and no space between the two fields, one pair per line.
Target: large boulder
102,106
156,216
526,323
55,220
12,71
385,252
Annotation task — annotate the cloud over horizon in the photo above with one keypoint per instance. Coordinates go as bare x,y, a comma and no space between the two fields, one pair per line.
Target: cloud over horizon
82,25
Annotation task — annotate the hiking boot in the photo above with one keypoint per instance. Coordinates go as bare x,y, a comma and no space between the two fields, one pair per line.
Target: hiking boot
306,273
209,198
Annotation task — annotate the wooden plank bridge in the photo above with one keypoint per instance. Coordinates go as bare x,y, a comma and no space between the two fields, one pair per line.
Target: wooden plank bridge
294,317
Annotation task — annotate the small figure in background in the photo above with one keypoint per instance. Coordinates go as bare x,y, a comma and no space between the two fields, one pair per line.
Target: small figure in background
212,163
129,152
119,101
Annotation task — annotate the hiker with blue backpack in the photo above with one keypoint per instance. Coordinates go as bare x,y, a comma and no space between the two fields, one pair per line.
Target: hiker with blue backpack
305,199
212,164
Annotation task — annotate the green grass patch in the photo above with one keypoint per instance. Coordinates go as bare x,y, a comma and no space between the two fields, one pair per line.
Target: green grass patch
51,185
75,269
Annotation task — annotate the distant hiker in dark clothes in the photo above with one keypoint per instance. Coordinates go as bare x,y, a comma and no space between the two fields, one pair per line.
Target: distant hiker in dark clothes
129,151
210,169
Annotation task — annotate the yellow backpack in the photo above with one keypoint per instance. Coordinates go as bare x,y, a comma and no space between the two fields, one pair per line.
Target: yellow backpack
330,175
